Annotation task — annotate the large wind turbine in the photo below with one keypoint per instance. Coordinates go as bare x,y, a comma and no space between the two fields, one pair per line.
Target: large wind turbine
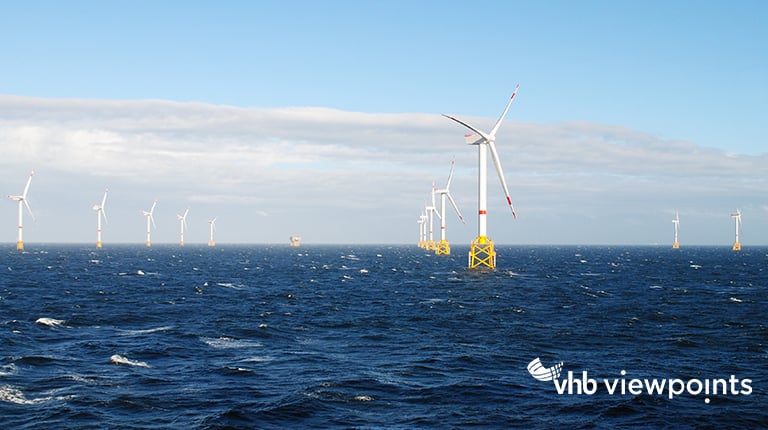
151,219
212,223
737,216
100,212
22,199
676,222
183,222
482,251
443,247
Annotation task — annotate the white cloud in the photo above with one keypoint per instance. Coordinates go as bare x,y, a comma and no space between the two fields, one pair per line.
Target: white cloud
368,172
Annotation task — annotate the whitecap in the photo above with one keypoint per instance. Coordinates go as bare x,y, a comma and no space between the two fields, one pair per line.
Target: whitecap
50,322
9,369
145,331
14,395
363,398
119,359
257,359
229,342
363,270
140,272
735,300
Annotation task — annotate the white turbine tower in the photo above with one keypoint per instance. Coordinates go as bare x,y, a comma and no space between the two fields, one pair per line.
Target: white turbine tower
443,247
151,219
212,224
431,210
676,222
183,222
482,251
737,216
100,212
22,199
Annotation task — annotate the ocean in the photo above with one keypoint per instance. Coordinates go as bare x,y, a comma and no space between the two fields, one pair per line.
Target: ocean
382,337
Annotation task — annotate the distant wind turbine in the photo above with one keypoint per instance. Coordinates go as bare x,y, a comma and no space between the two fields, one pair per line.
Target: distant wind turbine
482,251
22,199
676,222
422,229
151,219
100,212
431,210
183,222
212,224
443,247
737,216
420,222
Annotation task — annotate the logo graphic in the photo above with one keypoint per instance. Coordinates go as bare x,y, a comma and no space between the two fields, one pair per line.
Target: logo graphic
572,384
538,371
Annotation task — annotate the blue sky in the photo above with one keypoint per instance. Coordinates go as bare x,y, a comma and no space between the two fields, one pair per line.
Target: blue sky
624,93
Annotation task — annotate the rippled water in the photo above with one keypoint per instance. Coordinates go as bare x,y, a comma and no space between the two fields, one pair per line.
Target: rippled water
377,337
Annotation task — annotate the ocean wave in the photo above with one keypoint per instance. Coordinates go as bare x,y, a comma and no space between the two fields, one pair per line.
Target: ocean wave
145,331
119,359
14,395
50,322
229,342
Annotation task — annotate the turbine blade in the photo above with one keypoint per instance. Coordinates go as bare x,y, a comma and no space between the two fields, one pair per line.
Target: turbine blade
26,203
480,133
153,221
103,212
497,164
26,188
104,200
450,176
503,114
458,212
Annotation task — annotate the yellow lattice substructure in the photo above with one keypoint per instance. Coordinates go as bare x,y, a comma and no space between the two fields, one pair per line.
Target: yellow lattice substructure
443,248
737,246
431,245
676,245
482,254
19,245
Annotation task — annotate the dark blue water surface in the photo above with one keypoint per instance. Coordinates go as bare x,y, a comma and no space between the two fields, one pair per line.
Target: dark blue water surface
379,337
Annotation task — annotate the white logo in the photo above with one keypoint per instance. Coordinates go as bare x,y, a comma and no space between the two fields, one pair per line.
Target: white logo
671,387
538,371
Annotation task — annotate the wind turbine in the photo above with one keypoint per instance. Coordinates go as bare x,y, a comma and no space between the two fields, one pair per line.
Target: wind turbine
212,223
100,212
676,222
422,230
482,252
22,199
431,210
420,222
737,217
183,222
443,247
152,219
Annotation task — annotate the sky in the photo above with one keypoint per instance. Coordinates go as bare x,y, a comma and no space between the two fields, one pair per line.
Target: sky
323,119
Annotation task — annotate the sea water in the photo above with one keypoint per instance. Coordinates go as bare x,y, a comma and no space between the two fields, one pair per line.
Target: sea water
382,337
